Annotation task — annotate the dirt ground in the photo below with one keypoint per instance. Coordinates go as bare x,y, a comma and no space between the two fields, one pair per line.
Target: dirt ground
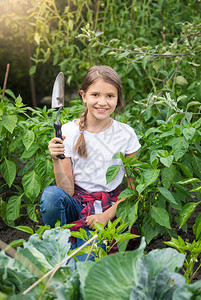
9,234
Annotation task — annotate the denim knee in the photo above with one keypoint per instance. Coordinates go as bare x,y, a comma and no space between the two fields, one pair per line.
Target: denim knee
52,208
49,198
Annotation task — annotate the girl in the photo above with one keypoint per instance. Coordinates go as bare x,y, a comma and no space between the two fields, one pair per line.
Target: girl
82,196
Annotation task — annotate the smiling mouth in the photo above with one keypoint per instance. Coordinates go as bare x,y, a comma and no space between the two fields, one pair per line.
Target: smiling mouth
101,109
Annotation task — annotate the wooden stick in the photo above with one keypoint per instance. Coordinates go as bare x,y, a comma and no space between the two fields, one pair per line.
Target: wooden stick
10,251
22,259
92,246
5,81
91,249
57,266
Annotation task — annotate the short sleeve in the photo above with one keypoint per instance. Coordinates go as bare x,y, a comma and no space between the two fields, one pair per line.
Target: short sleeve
67,142
133,143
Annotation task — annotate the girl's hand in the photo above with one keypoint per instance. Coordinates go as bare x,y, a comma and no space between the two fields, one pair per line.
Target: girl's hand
56,147
100,218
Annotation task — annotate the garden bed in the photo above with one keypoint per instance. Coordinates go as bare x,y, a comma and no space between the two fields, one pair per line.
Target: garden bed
9,234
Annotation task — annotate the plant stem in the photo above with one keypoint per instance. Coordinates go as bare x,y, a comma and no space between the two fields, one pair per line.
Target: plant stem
195,271
5,81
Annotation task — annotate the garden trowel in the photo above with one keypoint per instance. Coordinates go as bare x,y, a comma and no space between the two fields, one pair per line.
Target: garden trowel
58,101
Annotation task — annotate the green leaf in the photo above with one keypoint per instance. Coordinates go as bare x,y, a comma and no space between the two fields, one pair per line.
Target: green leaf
189,181
123,54
54,244
10,93
183,190
104,51
117,156
3,206
140,188
15,243
118,284
189,133
31,184
25,229
125,237
83,270
167,161
181,80
180,144
43,168
178,244
133,215
160,258
8,169
185,170
14,144
187,211
192,103
153,157
188,116
29,165
150,176
131,83
156,66
168,175
13,208
28,139
32,70
31,212
128,192
78,235
197,227
124,209
99,226
198,189
37,38
18,101
150,228
161,216
9,122
121,227
30,151
168,195
112,172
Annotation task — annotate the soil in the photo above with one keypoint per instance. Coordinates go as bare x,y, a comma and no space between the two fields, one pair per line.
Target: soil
9,234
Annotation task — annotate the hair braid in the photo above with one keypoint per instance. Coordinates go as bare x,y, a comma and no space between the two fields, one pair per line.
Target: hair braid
80,146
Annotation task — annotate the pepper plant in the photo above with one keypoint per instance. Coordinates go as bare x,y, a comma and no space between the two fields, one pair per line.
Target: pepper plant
170,151
25,163
107,238
192,249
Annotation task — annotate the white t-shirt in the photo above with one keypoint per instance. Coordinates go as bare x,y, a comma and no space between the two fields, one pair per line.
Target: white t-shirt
90,173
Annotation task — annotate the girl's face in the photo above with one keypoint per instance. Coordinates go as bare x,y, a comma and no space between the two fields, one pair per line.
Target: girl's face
101,99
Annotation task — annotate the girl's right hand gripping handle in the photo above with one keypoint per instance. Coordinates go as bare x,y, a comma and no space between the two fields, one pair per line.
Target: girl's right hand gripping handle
58,133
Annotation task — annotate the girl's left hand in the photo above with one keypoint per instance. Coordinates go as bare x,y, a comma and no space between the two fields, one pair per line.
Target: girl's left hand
100,218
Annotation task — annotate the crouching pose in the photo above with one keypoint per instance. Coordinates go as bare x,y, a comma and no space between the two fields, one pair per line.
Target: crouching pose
81,195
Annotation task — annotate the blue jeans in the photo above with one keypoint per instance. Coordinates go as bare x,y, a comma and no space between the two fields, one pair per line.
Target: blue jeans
56,205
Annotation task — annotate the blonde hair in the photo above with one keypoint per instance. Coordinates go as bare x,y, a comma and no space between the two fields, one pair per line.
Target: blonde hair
94,73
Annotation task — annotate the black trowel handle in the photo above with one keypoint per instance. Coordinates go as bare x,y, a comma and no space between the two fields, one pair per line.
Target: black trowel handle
58,133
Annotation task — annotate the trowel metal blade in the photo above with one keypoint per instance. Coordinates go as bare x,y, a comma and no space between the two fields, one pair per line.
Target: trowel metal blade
58,91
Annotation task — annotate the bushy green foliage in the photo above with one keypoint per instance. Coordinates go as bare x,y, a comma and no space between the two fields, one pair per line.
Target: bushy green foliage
144,41
155,47
170,152
131,275
25,163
